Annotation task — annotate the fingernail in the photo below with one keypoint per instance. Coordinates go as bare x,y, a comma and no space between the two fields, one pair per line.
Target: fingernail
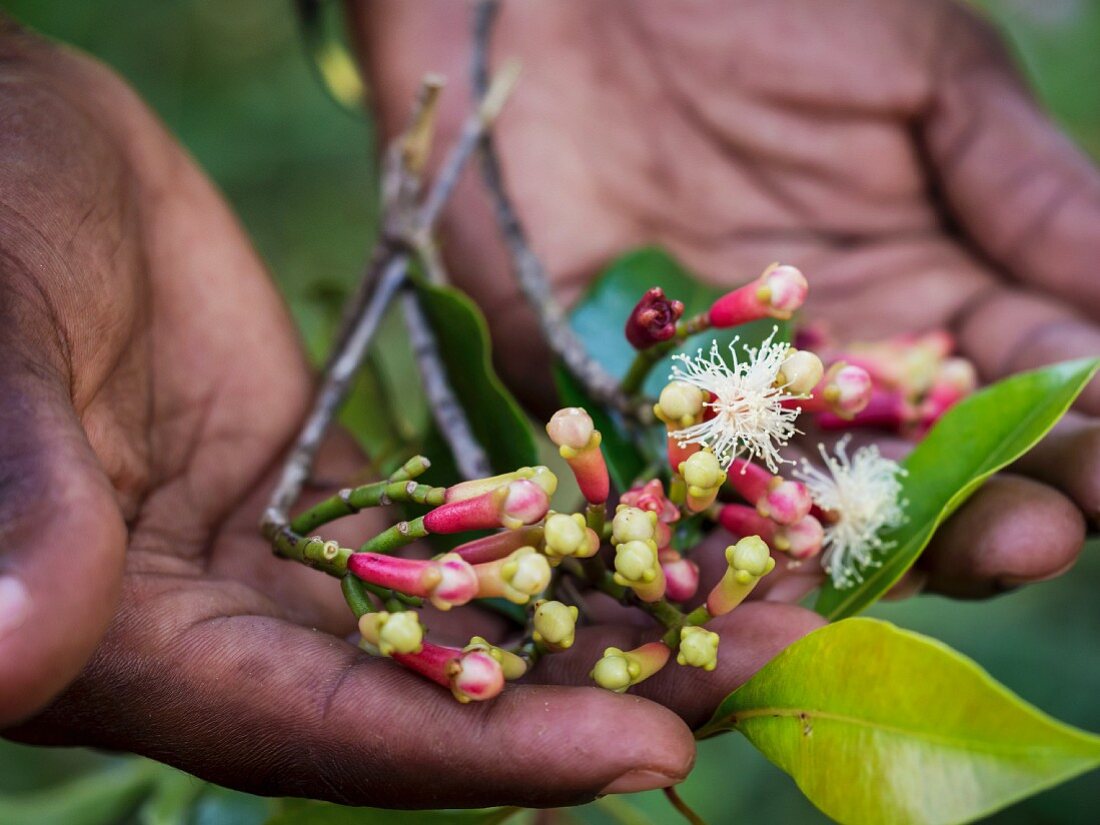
639,780
14,604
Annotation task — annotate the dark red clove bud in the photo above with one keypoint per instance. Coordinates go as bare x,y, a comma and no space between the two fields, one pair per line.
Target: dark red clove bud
653,319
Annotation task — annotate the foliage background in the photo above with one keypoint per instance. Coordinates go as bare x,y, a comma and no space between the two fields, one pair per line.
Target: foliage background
232,82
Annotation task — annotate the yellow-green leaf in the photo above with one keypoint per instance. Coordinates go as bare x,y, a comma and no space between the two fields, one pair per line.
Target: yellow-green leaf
880,725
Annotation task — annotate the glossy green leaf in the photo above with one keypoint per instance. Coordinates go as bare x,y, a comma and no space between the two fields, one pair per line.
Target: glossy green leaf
599,318
300,812
880,725
625,461
495,417
975,439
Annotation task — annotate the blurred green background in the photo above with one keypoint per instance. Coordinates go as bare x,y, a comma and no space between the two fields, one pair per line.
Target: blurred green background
233,83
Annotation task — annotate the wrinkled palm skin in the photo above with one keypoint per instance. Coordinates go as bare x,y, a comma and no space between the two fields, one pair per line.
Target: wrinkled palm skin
150,378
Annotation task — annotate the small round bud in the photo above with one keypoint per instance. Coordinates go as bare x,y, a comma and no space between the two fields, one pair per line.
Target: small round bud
618,669
392,632
786,288
544,478
786,501
476,676
524,573
555,624
633,524
566,535
653,319
801,372
750,558
680,404
803,539
524,502
703,471
681,576
571,428
512,666
401,633
613,671
698,648
848,390
635,562
456,583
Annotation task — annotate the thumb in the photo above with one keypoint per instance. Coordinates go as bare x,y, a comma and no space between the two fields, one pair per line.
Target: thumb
1024,194
62,539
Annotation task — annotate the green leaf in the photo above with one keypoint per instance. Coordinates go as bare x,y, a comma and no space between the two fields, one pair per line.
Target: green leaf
599,318
495,417
625,461
975,439
878,724
301,812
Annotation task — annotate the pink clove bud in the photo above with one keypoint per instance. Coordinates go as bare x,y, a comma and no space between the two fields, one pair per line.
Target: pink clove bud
777,293
653,319
516,504
578,441
845,391
800,540
681,575
475,487
774,497
886,409
472,675
498,545
448,581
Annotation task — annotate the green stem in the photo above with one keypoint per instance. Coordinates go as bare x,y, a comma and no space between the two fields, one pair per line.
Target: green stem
351,501
647,358
698,616
594,516
530,651
662,610
412,468
387,595
326,556
400,534
356,595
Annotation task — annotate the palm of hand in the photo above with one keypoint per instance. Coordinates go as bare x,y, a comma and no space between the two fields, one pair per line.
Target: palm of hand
885,148
201,665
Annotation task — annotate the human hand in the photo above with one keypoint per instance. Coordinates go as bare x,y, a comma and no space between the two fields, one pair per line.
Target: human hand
887,148
149,381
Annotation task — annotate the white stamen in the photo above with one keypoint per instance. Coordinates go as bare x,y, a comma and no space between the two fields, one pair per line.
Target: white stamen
863,494
749,417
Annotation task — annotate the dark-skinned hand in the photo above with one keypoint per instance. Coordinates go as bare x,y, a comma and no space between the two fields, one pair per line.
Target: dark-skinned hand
151,379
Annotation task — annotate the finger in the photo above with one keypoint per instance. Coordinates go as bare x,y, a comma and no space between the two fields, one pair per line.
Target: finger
1069,460
1024,193
1010,330
751,635
275,709
62,540
1012,531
